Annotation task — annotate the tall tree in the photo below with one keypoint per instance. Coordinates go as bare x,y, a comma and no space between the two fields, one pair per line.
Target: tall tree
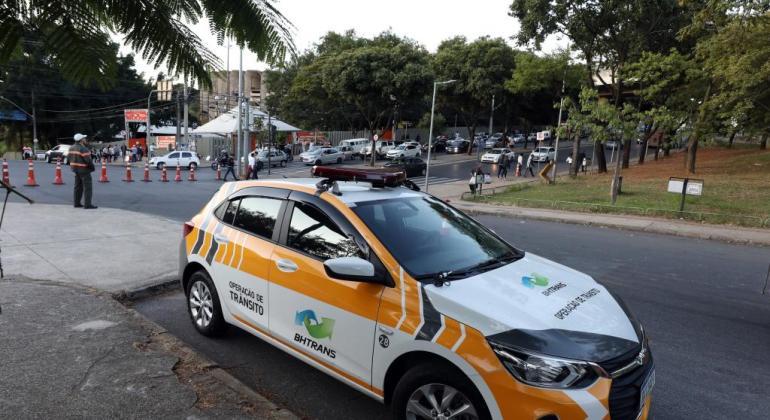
609,34
480,69
76,33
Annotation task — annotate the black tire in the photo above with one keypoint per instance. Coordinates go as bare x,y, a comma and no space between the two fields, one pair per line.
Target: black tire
217,325
193,165
160,166
422,171
213,166
339,160
283,163
435,373
48,159
317,162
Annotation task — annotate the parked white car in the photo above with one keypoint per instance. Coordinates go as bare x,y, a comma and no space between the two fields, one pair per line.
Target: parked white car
544,154
274,157
321,156
59,151
494,155
356,145
381,147
173,159
404,150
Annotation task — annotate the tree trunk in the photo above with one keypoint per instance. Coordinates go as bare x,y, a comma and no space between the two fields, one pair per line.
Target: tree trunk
601,159
732,137
692,143
763,142
573,167
626,153
374,150
645,140
615,181
471,134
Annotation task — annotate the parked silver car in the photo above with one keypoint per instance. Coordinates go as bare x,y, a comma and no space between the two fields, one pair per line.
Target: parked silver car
321,156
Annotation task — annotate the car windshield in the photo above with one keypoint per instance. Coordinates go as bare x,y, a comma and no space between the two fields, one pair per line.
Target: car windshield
456,143
495,152
541,150
430,239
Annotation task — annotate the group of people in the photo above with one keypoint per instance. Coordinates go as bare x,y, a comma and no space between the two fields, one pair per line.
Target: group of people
505,163
109,153
226,161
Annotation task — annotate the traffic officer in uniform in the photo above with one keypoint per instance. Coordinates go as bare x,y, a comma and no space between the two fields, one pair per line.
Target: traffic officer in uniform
82,165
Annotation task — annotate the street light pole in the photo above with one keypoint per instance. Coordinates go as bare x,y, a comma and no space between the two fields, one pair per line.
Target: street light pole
430,131
147,131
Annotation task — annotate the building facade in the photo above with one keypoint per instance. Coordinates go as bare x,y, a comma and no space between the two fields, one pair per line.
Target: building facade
223,94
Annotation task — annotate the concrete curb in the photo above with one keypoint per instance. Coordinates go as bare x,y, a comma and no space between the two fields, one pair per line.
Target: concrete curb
731,234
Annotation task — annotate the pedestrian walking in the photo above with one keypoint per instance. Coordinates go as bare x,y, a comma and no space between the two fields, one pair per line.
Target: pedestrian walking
82,165
502,170
520,164
479,178
252,166
530,164
229,166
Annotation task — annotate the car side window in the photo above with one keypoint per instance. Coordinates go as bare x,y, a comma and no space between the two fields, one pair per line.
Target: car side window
258,215
229,213
186,154
312,232
174,155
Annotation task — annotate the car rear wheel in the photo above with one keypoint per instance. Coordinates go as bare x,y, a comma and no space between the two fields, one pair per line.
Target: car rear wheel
283,163
192,166
317,162
339,160
431,391
203,305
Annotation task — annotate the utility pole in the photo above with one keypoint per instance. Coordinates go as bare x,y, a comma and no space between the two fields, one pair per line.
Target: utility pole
178,118
558,123
186,112
34,127
228,93
239,142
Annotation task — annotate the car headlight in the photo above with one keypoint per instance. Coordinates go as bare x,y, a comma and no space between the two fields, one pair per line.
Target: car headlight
546,371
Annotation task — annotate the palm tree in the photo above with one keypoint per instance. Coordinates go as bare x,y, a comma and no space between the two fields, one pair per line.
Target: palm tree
75,34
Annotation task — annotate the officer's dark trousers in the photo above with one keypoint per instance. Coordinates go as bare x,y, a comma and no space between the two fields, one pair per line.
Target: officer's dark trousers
83,187
230,170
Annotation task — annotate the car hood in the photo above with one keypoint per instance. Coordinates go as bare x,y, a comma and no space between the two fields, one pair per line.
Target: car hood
537,304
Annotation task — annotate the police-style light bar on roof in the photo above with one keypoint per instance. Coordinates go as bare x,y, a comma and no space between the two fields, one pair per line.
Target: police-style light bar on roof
378,177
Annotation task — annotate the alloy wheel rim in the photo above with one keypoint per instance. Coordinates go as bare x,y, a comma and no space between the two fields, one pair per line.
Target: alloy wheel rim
439,402
201,304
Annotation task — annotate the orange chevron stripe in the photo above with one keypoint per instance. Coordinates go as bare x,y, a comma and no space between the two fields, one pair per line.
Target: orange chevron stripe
451,333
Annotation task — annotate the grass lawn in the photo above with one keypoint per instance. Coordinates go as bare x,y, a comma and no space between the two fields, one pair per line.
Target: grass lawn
736,189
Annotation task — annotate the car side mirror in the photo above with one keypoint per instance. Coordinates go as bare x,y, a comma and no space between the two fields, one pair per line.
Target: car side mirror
352,269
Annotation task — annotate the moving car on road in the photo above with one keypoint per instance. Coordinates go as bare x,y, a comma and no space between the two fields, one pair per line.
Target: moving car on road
274,157
543,154
60,151
403,150
173,159
494,155
457,146
381,148
322,156
413,166
411,302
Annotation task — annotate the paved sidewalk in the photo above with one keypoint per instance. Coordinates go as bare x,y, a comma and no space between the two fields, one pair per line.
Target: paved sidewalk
70,353
108,249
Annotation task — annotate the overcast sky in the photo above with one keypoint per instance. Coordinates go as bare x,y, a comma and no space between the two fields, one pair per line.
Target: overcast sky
427,21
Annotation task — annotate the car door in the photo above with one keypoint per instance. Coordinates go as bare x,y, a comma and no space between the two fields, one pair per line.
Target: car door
185,159
172,159
240,261
330,321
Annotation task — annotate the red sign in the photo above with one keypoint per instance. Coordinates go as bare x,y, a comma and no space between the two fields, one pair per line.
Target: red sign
166,142
135,115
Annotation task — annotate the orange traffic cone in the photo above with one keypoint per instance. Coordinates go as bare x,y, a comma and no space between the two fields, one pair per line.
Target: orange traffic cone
103,178
57,178
219,172
192,173
178,177
146,173
128,174
6,173
163,174
31,175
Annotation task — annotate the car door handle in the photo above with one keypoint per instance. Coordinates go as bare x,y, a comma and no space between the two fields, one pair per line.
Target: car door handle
221,238
287,266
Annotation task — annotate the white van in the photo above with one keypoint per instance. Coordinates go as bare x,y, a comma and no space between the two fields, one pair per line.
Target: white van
356,145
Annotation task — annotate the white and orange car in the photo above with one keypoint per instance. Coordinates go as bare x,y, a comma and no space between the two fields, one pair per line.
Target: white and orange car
411,302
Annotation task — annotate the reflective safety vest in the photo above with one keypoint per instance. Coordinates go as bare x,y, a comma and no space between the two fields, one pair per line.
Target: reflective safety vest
80,159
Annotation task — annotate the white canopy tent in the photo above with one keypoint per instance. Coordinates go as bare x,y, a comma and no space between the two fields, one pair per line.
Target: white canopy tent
228,123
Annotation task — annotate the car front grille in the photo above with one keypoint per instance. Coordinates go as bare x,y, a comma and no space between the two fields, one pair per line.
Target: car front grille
625,389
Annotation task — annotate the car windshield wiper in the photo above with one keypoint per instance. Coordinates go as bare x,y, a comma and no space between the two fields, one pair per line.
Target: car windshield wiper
462,273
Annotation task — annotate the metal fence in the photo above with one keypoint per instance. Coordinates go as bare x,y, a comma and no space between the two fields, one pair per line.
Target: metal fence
487,195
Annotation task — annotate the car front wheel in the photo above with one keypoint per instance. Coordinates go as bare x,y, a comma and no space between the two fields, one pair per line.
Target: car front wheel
431,391
160,166
203,305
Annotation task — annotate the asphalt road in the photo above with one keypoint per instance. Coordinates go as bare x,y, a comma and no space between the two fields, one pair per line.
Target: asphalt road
699,301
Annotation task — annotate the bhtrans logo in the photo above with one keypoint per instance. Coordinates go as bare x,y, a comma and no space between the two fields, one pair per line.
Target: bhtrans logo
536,280
533,280
319,330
